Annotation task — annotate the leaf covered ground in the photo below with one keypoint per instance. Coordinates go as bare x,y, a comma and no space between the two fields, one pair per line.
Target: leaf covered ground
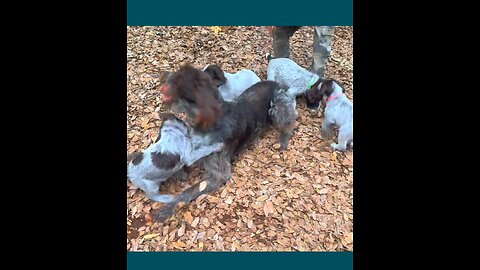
297,200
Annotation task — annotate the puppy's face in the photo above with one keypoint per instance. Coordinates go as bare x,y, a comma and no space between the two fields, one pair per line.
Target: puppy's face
314,95
171,121
192,91
216,74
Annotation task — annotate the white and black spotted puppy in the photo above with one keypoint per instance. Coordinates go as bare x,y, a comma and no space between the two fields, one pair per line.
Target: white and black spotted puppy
231,85
175,148
338,112
298,80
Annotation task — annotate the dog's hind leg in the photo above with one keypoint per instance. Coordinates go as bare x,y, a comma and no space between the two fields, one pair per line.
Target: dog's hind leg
218,172
344,136
327,131
132,156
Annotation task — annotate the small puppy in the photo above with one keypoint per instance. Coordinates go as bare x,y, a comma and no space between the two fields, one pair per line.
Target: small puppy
338,112
299,80
174,148
231,85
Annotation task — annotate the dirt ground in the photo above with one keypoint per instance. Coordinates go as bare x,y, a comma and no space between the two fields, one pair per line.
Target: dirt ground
297,200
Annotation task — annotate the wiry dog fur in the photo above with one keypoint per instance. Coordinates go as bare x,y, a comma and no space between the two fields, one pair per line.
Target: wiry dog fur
174,148
236,124
338,112
231,85
283,114
297,78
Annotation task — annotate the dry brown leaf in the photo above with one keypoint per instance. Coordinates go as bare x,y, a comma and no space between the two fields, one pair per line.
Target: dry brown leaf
150,236
203,185
268,208
262,198
181,230
348,237
179,245
229,200
195,222
188,217
322,191
200,235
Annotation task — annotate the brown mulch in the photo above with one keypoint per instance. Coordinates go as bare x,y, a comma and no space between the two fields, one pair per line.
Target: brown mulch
297,200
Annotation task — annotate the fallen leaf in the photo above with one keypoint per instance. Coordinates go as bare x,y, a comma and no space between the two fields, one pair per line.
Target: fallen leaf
262,198
188,217
179,245
200,235
202,186
216,29
150,236
349,238
229,200
268,208
322,191
195,222
181,230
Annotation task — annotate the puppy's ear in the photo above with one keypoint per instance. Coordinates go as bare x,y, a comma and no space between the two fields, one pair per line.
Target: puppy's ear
167,116
327,87
219,75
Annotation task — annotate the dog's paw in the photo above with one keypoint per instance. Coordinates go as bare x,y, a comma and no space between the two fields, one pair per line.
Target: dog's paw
337,147
164,215
218,146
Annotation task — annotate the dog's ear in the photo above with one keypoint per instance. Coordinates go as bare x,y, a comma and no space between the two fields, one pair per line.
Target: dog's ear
327,87
164,76
168,116
216,73
315,93
219,74
196,88
339,84
208,101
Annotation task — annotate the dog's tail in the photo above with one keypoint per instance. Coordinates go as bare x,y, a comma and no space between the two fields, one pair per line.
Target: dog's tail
132,156
269,57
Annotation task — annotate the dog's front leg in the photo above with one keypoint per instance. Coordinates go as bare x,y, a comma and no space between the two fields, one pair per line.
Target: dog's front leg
201,152
188,195
166,212
218,172
284,139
